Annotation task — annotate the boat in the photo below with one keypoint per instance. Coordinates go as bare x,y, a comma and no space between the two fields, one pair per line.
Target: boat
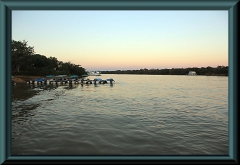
64,79
97,79
84,75
93,73
61,79
109,79
37,81
74,77
40,79
50,76
192,73
85,81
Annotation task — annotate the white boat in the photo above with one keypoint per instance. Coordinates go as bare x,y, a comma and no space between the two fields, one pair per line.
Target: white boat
93,73
192,73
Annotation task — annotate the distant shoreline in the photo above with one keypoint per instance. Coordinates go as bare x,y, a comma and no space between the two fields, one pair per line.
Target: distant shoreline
168,74
205,71
24,79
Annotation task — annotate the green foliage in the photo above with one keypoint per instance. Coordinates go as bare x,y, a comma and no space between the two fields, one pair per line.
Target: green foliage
20,53
39,65
209,71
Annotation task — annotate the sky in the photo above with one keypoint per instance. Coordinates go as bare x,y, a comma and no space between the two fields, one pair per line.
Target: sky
126,40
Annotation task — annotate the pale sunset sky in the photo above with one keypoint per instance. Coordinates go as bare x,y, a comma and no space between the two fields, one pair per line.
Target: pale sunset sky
121,40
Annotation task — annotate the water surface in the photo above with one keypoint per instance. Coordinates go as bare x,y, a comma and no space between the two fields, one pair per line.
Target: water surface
138,115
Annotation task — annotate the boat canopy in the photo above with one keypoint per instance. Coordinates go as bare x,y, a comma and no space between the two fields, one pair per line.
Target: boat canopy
61,75
40,79
50,76
109,79
98,79
74,76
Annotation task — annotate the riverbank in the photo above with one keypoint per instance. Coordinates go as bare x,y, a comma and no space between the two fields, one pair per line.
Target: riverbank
23,79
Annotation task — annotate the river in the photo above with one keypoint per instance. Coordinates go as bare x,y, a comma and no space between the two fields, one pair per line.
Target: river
137,115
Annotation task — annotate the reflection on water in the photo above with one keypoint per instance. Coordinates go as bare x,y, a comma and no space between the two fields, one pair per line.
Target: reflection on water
52,86
139,114
22,91
22,94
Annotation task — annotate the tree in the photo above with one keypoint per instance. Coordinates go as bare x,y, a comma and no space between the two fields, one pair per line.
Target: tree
53,63
20,52
39,61
69,68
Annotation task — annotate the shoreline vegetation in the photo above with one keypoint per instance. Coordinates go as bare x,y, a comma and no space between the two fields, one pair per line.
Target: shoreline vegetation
203,71
26,66
208,71
26,62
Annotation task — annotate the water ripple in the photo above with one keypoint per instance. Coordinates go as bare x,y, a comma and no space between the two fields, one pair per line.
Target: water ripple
162,115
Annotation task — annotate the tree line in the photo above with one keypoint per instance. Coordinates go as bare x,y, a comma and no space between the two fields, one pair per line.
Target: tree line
26,62
208,71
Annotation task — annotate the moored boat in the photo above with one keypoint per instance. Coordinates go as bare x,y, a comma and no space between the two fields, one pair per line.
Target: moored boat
93,73
64,79
192,73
